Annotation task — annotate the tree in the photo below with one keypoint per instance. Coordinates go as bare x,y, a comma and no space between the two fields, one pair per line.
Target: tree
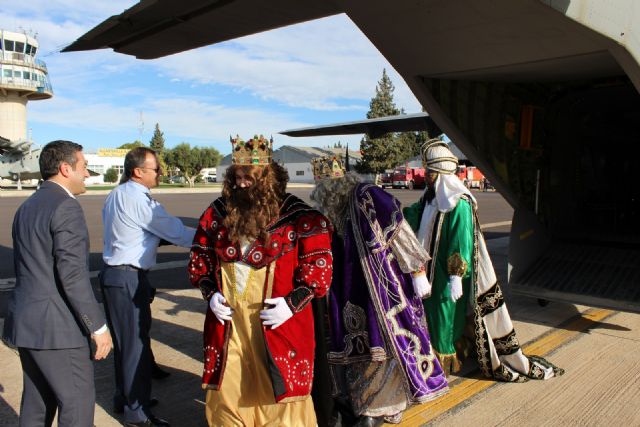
157,140
415,141
111,175
412,143
157,144
131,145
385,151
191,161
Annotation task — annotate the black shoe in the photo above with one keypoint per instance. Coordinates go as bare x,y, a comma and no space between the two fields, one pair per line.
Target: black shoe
158,373
119,409
149,422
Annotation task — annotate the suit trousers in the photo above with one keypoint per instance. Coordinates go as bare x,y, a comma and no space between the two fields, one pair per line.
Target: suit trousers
126,299
60,380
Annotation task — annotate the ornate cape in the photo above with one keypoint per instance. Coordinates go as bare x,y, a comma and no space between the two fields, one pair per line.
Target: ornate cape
374,312
498,349
299,262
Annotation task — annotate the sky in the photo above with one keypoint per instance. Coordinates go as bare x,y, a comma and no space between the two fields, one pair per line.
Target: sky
318,72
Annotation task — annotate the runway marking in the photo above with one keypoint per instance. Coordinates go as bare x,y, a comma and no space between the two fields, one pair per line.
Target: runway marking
463,389
494,224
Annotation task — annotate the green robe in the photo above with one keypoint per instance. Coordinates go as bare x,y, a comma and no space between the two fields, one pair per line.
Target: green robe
452,252
458,248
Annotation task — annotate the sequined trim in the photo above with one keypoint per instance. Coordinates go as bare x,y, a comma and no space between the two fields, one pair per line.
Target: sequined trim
508,344
491,300
456,265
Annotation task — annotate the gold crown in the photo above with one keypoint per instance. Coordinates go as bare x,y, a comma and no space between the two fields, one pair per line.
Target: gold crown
327,167
256,151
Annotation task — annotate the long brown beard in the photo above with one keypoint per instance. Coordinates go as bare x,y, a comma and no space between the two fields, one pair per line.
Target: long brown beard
250,211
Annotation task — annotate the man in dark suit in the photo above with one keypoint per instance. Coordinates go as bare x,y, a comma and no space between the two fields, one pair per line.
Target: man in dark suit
53,312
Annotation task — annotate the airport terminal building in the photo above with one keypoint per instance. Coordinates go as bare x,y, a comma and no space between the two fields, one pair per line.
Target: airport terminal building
297,161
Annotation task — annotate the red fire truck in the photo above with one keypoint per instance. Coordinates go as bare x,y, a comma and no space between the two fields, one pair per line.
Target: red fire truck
470,176
408,177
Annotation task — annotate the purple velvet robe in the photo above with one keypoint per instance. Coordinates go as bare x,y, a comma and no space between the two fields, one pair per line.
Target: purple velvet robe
375,314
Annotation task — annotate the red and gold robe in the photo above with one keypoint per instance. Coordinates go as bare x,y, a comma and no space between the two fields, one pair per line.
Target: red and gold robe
299,268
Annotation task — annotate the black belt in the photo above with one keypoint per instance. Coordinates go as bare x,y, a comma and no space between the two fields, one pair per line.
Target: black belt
127,267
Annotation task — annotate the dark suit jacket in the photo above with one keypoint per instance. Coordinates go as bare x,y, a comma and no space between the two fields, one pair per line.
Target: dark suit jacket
52,305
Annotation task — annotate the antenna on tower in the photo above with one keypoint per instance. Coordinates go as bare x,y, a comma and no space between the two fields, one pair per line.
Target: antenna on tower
140,127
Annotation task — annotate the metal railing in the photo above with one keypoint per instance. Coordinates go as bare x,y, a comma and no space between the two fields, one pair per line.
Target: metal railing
36,85
32,63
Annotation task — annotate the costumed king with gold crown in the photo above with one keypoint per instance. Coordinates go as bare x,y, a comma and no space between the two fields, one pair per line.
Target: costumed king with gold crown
465,287
260,255
381,360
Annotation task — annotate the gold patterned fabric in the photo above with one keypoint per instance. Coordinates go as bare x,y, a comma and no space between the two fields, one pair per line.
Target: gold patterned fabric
246,396
456,265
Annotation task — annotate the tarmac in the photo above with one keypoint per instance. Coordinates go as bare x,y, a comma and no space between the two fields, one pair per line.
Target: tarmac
177,344
4,192
598,348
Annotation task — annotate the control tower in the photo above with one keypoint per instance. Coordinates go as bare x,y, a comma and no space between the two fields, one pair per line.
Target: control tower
23,78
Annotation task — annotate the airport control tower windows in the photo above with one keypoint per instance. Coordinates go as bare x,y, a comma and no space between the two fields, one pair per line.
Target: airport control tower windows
7,73
8,45
19,47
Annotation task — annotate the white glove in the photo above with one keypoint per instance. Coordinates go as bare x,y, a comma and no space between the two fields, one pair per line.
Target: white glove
455,287
217,303
421,285
276,315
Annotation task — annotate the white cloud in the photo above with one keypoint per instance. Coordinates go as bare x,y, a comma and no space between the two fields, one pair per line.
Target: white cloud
316,65
260,83
180,119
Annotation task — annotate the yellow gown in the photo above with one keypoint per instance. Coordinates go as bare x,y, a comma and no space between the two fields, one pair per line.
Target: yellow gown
246,395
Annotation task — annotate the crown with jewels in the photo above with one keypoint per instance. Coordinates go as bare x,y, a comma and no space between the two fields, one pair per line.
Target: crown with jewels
327,167
256,151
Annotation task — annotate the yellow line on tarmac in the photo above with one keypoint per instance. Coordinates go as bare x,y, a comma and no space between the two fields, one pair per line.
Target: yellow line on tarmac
462,390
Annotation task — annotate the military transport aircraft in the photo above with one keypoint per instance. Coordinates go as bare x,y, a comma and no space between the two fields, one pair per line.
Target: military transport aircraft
541,95
18,160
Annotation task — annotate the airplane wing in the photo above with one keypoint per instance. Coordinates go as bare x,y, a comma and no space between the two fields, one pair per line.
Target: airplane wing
10,148
5,145
155,28
372,127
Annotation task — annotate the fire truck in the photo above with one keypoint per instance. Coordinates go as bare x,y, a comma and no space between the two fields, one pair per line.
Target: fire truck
471,176
409,177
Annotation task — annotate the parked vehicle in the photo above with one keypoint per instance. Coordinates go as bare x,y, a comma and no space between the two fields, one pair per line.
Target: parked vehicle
470,176
386,179
407,177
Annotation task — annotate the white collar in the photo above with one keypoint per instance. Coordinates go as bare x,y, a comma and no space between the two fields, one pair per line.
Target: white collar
65,188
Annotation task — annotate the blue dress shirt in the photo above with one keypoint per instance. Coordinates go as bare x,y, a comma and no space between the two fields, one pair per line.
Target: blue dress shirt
134,223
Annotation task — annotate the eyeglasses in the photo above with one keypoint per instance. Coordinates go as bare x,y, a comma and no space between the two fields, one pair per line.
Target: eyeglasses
156,170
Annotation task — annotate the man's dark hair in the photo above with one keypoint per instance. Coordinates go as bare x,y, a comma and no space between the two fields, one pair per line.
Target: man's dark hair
54,153
134,159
